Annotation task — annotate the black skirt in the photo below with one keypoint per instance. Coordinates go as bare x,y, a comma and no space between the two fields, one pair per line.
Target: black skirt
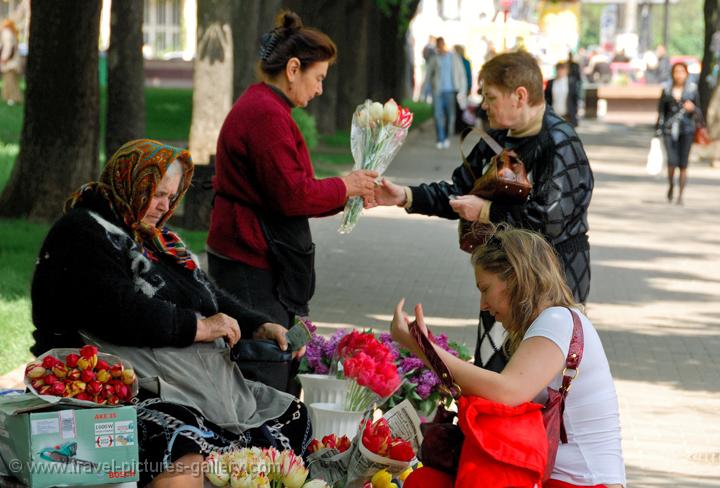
169,431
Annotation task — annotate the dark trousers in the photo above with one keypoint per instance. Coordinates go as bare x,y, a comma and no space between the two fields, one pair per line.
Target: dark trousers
678,152
255,289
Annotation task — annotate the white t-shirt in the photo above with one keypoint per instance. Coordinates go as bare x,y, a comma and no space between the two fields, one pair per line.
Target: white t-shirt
593,454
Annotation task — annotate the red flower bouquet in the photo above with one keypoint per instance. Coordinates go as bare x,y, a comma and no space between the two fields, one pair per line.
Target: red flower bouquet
86,375
378,439
370,368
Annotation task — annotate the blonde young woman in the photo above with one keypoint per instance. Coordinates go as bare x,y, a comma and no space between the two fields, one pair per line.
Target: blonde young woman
521,284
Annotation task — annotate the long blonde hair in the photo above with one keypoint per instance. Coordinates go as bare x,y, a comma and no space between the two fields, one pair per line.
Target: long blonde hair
531,270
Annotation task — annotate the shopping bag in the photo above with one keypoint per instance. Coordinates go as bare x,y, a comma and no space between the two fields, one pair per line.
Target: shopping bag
655,157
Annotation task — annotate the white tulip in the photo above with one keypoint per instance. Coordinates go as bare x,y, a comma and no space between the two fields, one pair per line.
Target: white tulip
390,111
362,117
316,484
376,112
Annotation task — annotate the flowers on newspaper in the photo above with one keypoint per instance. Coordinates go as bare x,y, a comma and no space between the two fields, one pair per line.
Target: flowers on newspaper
378,439
330,441
421,386
257,468
376,134
370,368
82,376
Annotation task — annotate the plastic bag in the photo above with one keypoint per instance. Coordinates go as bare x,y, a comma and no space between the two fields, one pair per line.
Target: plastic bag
655,157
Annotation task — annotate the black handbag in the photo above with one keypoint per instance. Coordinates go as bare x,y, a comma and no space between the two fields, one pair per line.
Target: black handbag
263,361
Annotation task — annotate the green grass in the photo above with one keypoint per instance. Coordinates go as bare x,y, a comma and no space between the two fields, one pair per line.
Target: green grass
18,252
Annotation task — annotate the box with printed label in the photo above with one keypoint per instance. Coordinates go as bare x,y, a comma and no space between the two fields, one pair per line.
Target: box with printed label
55,445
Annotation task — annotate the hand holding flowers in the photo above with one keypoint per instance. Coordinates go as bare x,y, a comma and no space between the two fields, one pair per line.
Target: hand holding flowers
376,134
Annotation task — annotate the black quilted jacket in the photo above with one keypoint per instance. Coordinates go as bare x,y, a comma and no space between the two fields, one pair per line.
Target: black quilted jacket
562,185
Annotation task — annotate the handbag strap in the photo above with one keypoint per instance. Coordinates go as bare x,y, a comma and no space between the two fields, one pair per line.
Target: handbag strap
492,143
447,381
575,353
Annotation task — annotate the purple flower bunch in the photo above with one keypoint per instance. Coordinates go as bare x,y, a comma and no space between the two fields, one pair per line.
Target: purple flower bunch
319,353
422,384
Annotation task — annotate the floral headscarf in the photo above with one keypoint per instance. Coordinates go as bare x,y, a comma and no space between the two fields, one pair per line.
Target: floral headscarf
128,184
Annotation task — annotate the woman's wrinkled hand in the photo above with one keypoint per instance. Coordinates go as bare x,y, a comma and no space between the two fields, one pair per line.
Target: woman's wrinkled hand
361,183
216,326
468,206
272,332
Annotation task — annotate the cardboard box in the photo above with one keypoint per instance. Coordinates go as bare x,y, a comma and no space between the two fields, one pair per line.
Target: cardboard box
46,444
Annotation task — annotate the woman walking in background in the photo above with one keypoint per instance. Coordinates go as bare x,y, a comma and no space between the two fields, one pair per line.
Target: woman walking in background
10,64
678,110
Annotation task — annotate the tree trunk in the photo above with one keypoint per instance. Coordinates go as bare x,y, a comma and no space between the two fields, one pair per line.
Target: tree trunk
212,77
352,85
256,18
327,16
126,78
59,140
388,68
710,52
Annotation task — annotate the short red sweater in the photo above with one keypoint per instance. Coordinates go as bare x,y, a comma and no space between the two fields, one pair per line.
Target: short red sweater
262,162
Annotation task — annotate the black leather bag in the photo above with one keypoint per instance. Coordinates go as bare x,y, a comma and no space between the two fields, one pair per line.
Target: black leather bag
264,361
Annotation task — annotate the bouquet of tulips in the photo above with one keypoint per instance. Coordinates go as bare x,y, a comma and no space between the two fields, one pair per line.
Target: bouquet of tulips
258,468
388,444
330,441
370,368
376,134
85,374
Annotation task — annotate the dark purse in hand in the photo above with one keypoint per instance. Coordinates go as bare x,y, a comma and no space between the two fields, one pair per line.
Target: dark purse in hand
442,438
504,181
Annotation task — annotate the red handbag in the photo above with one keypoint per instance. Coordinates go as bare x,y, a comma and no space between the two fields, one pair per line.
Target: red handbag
554,408
701,136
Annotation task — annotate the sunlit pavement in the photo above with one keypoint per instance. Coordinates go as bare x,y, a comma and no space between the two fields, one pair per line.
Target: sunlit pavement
654,299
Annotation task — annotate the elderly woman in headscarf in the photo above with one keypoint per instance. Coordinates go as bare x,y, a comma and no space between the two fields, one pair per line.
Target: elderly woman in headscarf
111,274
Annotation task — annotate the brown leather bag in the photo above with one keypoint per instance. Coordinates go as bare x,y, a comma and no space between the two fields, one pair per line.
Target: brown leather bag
701,136
442,438
504,181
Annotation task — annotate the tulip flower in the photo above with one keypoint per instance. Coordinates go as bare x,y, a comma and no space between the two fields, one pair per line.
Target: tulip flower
71,360
316,484
35,370
401,450
113,400
87,376
88,352
74,374
293,472
50,379
390,111
83,396
103,376
94,388
376,112
60,370
85,363
57,389
50,361
382,479
362,118
38,383
116,370
44,390
102,365
128,376
215,470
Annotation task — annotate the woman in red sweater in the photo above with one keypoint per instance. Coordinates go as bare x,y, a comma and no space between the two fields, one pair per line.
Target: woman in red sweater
259,246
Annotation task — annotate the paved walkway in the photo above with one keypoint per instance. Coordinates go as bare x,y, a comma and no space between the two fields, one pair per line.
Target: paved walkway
654,299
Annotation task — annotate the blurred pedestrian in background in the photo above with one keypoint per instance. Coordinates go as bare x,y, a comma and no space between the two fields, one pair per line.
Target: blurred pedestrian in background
678,113
10,63
446,77
562,94
460,122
